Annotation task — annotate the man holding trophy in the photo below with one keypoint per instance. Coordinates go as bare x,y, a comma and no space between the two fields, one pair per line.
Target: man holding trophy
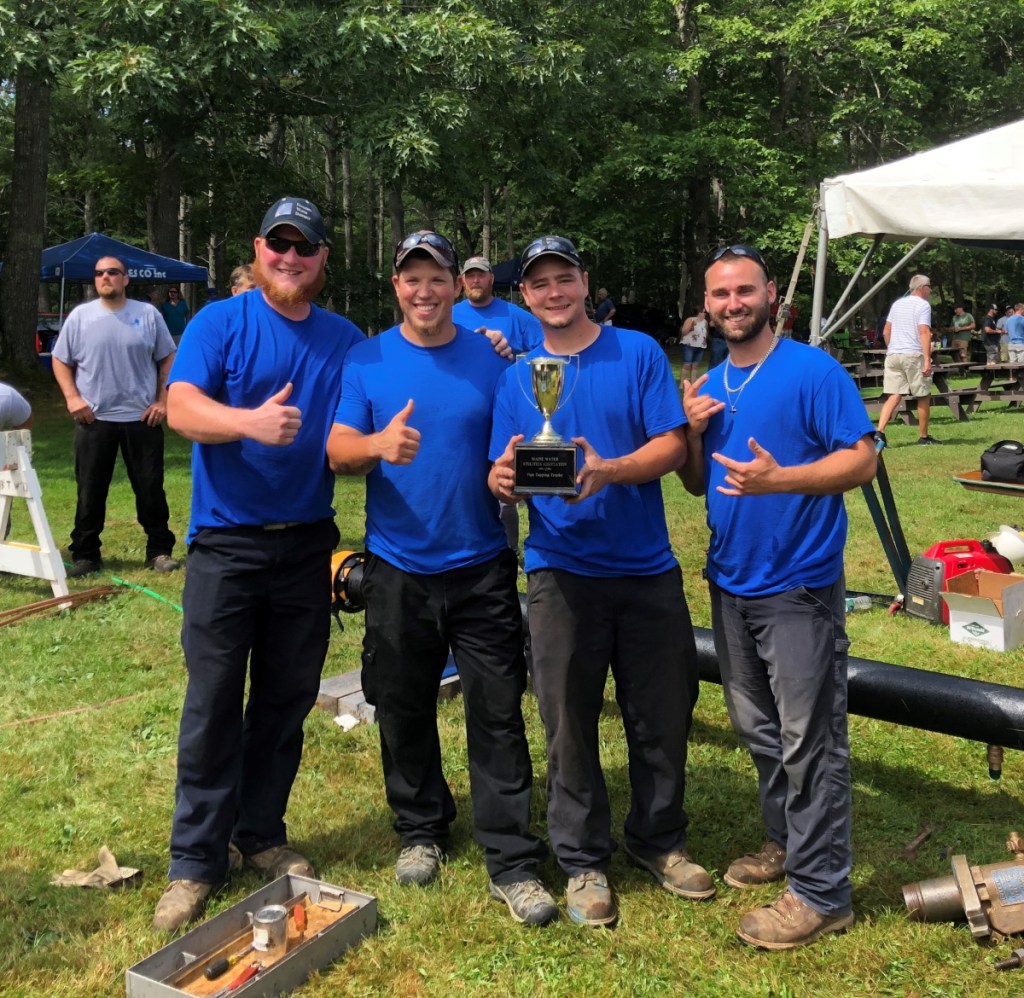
414,417
604,586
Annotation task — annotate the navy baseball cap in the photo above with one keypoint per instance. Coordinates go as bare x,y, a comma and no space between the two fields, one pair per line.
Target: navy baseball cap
549,246
299,212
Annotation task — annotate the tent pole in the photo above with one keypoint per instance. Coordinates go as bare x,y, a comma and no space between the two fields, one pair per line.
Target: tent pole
889,275
818,300
875,243
60,319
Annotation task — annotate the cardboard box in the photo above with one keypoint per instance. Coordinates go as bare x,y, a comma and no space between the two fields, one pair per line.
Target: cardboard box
986,609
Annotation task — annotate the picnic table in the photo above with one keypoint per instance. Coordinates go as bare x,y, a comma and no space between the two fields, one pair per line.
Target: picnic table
1009,389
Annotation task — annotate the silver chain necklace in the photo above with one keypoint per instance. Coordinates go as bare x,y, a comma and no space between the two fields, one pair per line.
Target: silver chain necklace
730,392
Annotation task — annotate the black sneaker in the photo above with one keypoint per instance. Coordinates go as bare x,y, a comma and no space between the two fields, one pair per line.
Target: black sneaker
83,566
928,441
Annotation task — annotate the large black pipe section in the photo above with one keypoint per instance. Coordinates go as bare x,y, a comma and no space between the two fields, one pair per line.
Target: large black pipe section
951,705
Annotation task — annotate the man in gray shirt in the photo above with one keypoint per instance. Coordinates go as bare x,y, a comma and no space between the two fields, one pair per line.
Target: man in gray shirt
111,361
15,412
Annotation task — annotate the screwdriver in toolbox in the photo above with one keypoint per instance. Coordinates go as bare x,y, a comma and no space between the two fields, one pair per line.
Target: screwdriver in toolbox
224,964
246,975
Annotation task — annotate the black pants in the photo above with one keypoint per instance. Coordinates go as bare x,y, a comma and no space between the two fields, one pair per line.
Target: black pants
411,620
640,625
258,602
142,448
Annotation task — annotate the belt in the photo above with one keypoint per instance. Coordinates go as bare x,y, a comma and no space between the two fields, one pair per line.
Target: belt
283,526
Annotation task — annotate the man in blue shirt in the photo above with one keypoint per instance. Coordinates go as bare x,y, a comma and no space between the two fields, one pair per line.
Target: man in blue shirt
254,385
1015,334
773,450
415,418
484,313
605,589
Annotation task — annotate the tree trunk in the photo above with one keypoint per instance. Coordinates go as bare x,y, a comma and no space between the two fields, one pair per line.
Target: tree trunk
26,233
166,197
396,210
485,240
330,205
346,205
510,243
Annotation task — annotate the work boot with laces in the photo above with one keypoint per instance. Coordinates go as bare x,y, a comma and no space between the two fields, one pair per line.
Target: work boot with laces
528,900
419,864
757,869
677,873
183,901
280,861
590,900
789,923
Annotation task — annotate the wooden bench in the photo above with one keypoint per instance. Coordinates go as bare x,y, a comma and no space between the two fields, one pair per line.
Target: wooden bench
961,403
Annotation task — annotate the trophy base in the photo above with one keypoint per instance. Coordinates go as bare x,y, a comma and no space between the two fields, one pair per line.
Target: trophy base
545,469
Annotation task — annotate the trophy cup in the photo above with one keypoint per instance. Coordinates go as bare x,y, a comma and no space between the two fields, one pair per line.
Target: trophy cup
546,465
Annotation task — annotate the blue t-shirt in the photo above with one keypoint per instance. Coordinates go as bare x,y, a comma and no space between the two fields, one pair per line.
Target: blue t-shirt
799,407
623,394
1015,328
176,316
240,352
603,309
436,513
519,327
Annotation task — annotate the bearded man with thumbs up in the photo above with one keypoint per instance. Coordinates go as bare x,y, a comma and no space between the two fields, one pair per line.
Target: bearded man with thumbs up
415,419
254,385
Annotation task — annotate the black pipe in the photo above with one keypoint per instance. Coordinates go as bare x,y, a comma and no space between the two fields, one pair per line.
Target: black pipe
951,705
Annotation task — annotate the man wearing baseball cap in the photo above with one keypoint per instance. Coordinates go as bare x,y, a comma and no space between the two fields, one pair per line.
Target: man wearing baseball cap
494,317
254,385
415,418
605,588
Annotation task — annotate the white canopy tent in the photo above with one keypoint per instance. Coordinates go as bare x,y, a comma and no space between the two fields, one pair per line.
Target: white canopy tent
970,190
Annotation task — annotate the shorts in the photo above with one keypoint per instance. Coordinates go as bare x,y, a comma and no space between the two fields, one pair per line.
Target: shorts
904,375
692,355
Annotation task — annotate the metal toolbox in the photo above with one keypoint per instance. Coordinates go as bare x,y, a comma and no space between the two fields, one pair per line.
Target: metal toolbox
155,976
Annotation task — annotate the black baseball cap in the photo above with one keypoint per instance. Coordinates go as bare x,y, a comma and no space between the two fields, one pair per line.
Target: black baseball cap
549,246
303,214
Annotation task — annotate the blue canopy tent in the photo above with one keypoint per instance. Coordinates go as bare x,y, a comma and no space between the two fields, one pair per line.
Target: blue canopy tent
506,274
76,261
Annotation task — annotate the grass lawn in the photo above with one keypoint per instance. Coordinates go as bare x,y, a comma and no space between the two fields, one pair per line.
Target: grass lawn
72,782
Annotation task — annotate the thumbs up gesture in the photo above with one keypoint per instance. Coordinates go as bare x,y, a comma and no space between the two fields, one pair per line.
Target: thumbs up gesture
398,442
275,423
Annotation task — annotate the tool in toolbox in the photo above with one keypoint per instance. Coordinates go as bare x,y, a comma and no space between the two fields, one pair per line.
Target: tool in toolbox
220,967
247,974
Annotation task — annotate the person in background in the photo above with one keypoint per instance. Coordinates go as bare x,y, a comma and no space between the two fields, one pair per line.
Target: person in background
962,328
605,311
1004,339
242,279
176,313
694,339
990,334
15,411
482,312
774,438
1015,333
111,361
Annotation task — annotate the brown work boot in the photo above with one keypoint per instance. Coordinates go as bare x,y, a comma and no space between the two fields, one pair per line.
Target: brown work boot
677,873
589,899
788,923
183,901
281,861
757,869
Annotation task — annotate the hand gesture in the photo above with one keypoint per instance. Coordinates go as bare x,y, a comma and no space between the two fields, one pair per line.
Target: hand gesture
595,473
498,341
155,414
699,408
275,423
749,478
80,410
399,442
503,473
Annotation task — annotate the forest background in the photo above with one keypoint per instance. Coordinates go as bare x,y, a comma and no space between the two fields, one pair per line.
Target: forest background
648,131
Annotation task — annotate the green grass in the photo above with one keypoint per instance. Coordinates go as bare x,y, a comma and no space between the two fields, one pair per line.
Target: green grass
73,782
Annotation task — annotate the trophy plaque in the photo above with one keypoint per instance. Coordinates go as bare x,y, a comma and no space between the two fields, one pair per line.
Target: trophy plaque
546,465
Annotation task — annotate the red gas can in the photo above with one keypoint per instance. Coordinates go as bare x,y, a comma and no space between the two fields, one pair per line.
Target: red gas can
941,562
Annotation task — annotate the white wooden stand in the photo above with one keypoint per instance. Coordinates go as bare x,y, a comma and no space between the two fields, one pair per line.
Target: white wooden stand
18,480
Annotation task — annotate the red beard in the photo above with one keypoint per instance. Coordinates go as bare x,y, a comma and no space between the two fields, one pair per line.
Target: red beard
294,296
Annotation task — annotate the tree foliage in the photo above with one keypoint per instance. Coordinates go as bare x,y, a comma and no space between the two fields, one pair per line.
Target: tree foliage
647,130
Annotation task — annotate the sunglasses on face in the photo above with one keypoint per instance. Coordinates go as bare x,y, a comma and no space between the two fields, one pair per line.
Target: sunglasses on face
110,271
434,239
552,244
281,245
739,249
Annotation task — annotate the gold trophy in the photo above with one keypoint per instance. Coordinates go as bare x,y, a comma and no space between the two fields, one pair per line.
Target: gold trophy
546,465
